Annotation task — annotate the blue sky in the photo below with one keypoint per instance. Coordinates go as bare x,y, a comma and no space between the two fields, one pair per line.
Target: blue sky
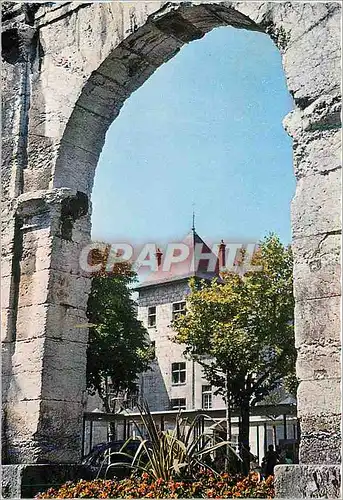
204,129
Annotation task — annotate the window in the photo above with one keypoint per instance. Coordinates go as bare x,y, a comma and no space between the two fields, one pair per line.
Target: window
206,397
178,373
152,316
179,308
178,404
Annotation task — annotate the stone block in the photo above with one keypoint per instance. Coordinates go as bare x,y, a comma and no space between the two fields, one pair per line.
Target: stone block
60,431
312,61
316,362
36,259
151,42
57,254
64,375
75,168
307,481
6,291
316,397
12,79
31,322
319,444
135,15
34,288
82,231
320,426
317,270
53,104
42,430
57,101
37,321
41,158
37,234
229,16
127,68
317,153
202,17
25,385
11,109
56,36
6,266
7,324
11,481
8,162
103,96
28,355
72,324
318,322
322,451
86,130
322,118
68,290
316,205
7,223
22,419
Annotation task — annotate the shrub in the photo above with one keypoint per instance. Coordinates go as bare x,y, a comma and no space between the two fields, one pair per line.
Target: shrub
207,485
176,454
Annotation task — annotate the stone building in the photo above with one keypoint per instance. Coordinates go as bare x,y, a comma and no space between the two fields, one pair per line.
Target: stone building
174,382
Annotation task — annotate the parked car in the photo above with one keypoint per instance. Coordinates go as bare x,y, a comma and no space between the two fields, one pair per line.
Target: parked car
103,455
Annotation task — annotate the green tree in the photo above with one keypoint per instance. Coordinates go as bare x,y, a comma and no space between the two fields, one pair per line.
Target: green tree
119,348
240,329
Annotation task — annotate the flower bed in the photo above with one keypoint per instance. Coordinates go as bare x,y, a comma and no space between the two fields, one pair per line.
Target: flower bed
207,486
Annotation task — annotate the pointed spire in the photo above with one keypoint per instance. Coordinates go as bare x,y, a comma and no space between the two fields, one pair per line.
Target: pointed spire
193,219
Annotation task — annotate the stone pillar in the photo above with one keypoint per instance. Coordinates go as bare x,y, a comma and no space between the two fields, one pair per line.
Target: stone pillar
48,358
316,245
44,293
17,38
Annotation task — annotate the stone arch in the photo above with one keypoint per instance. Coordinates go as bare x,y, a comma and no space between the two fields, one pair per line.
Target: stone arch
123,71
85,60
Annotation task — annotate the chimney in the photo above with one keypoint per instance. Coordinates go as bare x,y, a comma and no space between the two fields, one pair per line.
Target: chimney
158,255
221,256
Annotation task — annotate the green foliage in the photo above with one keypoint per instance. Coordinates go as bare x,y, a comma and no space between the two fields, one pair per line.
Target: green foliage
206,485
291,383
172,454
119,348
243,327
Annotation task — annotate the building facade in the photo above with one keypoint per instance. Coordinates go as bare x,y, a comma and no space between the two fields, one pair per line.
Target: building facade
174,381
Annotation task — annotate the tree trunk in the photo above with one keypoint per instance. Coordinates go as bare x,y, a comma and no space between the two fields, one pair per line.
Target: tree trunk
111,427
243,436
274,436
112,431
228,421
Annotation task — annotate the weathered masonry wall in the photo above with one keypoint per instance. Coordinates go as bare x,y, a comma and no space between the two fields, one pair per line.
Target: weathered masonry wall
68,70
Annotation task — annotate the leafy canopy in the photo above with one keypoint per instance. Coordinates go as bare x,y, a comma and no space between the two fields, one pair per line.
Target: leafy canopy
242,326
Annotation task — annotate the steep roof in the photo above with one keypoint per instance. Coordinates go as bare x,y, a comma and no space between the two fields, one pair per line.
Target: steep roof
200,262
